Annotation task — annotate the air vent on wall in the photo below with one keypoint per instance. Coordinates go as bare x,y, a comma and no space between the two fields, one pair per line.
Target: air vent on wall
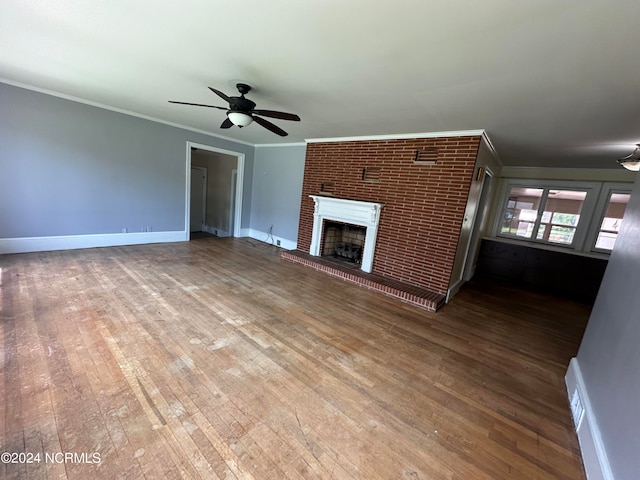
371,174
426,156
327,188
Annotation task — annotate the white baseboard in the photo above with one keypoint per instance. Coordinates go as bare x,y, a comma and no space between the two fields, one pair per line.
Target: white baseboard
72,242
455,288
218,232
594,454
272,239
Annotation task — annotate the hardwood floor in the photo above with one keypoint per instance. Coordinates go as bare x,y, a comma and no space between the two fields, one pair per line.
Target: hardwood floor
217,359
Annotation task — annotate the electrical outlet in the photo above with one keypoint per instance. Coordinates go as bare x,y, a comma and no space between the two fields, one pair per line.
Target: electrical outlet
278,242
577,410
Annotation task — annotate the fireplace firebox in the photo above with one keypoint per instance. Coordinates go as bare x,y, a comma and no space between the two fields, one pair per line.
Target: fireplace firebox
343,241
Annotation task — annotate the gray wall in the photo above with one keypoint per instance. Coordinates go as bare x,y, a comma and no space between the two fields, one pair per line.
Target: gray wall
609,356
67,168
277,190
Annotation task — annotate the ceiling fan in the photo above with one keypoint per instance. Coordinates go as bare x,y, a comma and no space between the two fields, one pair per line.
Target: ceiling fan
241,111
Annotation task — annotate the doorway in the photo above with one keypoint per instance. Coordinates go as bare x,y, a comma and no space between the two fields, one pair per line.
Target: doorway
198,199
471,230
479,223
215,206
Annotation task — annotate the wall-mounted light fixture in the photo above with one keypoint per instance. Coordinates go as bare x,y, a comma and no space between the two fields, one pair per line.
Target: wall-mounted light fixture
632,162
240,119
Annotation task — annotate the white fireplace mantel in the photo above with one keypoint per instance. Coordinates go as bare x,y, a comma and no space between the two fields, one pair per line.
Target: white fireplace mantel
364,214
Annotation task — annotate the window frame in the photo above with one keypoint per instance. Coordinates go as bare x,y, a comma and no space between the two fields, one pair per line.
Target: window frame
586,213
608,188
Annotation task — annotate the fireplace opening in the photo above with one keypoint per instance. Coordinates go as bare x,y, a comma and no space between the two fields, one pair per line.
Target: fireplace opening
343,241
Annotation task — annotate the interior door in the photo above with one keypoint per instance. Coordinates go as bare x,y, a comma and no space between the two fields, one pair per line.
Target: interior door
198,198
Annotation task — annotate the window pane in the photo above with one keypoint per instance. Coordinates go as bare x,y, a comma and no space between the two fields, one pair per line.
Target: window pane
612,220
562,235
521,212
541,230
561,216
611,224
565,219
606,240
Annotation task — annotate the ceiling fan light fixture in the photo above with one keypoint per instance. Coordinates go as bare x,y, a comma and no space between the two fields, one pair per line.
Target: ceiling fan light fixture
240,119
632,162
242,111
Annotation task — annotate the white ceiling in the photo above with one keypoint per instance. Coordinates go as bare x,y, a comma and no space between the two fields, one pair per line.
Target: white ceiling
554,82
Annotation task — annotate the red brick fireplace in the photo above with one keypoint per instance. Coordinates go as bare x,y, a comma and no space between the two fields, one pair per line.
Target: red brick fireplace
423,184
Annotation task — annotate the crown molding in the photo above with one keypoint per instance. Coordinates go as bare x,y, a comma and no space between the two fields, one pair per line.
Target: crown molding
398,136
291,144
615,174
492,149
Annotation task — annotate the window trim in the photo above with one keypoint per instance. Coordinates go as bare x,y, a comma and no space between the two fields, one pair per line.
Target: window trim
608,188
584,227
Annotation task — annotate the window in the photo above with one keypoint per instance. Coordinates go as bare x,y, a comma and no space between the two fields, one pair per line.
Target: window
579,215
553,214
522,211
611,221
561,216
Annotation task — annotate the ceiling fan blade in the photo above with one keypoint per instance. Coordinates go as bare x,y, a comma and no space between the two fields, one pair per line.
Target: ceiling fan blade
220,94
227,123
199,105
270,126
280,115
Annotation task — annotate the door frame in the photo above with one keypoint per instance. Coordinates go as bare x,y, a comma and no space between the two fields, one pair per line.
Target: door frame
484,201
466,248
237,217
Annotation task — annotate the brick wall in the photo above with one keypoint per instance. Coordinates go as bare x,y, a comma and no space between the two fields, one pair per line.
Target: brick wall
423,204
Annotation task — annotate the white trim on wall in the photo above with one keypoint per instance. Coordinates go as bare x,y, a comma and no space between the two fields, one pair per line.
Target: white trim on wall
265,237
237,222
218,232
492,149
614,174
72,242
594,454
396,136
291,144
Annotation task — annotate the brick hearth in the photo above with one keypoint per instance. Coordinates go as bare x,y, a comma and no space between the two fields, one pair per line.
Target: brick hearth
393,288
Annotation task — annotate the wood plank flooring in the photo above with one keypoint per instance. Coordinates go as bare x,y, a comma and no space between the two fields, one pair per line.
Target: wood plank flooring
216,359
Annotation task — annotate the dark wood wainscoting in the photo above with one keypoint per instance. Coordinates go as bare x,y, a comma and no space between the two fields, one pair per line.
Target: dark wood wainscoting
573,276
